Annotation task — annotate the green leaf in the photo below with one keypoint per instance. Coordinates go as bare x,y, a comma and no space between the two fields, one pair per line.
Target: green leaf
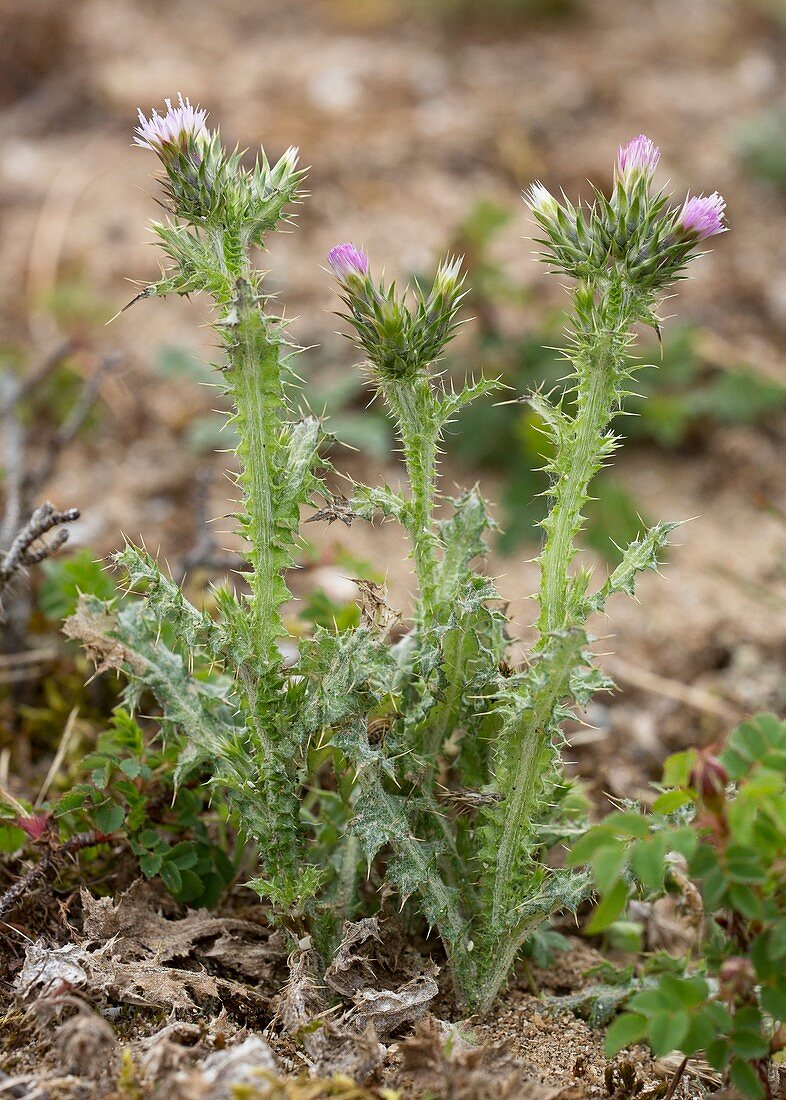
109,817
746,1079
183,855
686,992
626,1030
149,838
743,865
667,1031
71,800
718,1053
586,846
749,1044
670,801
773,1000
700,1033
649,1002
607,864
744,900
609,909
777,939
191,889
648,860
625,935
627,824
678,767
12,838
150,864
171,877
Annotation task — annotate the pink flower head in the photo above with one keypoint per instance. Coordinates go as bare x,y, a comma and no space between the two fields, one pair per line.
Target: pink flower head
176,127
638,158
702,216
347,261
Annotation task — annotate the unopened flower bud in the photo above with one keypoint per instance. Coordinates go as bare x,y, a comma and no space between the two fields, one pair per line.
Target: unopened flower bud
737,979
636,160
448,279
348,262
702,216
35,826
541,202
709,777
174,130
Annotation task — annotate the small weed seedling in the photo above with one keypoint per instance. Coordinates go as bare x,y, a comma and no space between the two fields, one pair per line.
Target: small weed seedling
429,759
719,833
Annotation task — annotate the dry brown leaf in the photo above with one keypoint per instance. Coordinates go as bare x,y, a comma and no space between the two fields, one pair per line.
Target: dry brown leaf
247,1064
85,1042
92,629
389,1009
139,932
75,966
351,969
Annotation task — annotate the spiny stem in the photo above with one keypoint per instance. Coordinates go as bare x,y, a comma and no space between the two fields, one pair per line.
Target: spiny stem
418,436
531,731
255,376
598,399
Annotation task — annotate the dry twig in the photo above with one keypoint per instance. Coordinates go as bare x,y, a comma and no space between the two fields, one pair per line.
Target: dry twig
23,552
48,863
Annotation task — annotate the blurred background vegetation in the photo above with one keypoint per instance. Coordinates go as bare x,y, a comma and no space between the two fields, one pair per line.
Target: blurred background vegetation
422,120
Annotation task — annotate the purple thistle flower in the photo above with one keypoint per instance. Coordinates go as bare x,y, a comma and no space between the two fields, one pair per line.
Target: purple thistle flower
638,157
347,261
176,127
702,216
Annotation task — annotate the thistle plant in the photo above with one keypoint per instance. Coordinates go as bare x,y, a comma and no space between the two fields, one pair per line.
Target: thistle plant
429,760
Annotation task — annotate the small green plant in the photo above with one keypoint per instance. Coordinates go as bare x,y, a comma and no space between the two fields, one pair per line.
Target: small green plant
126,785
719,826
66,578
430,759
126,788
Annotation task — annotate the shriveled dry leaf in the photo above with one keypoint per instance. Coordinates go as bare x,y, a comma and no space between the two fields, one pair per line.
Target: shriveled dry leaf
49,969
351,969
85,1042
139,932
94,630
388,1010
135,982
331,1047
220,1076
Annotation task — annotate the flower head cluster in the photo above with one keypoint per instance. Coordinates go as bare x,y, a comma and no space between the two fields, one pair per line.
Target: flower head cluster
208,185
702,216
177,127
400,338
635,230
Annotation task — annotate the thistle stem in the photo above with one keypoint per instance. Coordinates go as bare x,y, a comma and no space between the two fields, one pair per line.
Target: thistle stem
410,401
597,400
255,378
